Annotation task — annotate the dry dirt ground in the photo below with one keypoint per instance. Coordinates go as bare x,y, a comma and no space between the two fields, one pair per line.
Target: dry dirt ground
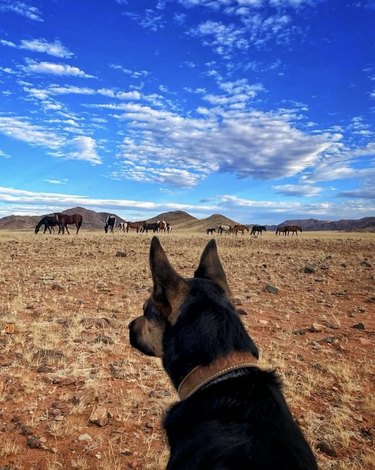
75,395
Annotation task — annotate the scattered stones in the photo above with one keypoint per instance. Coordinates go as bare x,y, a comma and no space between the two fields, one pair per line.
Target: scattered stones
99,416
359,326
315,345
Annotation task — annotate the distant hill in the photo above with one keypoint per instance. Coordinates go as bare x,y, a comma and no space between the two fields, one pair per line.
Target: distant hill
201,225
175,218
347,225
181,220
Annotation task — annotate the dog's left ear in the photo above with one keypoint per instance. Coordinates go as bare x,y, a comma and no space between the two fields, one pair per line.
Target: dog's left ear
211,268
169,288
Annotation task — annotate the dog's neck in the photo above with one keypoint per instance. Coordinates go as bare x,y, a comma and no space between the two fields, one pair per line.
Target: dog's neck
203,375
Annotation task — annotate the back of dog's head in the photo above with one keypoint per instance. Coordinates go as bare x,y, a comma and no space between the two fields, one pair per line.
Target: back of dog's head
191,321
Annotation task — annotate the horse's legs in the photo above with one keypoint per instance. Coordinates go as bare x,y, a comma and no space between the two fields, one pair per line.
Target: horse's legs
66,228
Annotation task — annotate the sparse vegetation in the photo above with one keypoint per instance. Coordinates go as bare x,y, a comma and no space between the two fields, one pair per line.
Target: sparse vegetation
66,301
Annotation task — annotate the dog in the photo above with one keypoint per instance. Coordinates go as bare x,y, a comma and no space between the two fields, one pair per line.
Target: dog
231,413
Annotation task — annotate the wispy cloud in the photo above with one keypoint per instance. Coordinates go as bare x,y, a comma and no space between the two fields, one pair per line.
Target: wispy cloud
302,190
77,148
21,8
50,68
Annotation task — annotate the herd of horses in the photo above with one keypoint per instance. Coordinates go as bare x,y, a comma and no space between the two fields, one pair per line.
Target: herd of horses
61,221
255,230
140,227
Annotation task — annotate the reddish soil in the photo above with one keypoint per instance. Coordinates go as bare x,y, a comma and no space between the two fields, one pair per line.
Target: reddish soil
66,301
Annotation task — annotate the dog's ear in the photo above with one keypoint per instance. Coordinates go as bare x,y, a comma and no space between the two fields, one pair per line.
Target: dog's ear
169,288
211,268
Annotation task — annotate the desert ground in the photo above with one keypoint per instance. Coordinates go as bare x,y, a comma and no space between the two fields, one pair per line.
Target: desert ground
75,395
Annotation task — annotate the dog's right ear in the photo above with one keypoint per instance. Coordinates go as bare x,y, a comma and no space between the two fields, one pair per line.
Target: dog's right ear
210,267
169,288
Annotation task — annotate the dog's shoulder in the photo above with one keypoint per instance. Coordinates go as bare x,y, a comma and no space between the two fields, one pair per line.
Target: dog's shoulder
239,422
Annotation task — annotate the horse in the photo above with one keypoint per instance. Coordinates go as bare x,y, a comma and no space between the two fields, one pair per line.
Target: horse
110,222
224,229
280,230
162,225
49,221
150,226
258,229
122,226
293,228
240,228
136,225
69,219
210,231
169,228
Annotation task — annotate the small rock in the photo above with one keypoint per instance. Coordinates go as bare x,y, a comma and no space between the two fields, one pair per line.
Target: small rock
309,269
85,437
99,416
366,263
315,345
34,442
104,339
272,289
316,328
121,254
84,397
359,326
326,448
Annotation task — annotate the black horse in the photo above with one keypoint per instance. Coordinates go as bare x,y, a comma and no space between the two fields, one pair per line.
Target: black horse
49,221
258,229
110,223
210,231
150,226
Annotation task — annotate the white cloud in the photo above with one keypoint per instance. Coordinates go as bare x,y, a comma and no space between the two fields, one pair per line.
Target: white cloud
51,68
83,148
21,8
302,190
78,148
56,48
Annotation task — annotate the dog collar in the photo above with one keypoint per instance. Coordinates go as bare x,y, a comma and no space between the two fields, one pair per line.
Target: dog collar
202,375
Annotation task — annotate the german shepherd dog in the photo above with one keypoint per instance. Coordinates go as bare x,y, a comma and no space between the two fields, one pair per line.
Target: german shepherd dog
232,414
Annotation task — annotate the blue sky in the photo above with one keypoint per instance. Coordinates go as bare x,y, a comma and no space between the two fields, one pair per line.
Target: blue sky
261,110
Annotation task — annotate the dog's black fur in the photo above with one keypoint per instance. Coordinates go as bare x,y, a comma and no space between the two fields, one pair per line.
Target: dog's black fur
240,421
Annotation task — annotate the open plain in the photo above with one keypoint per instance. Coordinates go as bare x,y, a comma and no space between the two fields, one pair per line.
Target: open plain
75,395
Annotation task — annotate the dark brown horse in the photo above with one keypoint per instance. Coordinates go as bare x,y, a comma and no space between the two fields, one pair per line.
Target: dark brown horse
240,228
292,228
49,222
69,219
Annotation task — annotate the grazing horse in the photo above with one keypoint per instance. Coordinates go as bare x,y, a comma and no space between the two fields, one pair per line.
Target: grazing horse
224,229
150,226
110,222
49,221
292,228
240,228
280,230
169,228
258,229
122,226
210,231
69,219
136,225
